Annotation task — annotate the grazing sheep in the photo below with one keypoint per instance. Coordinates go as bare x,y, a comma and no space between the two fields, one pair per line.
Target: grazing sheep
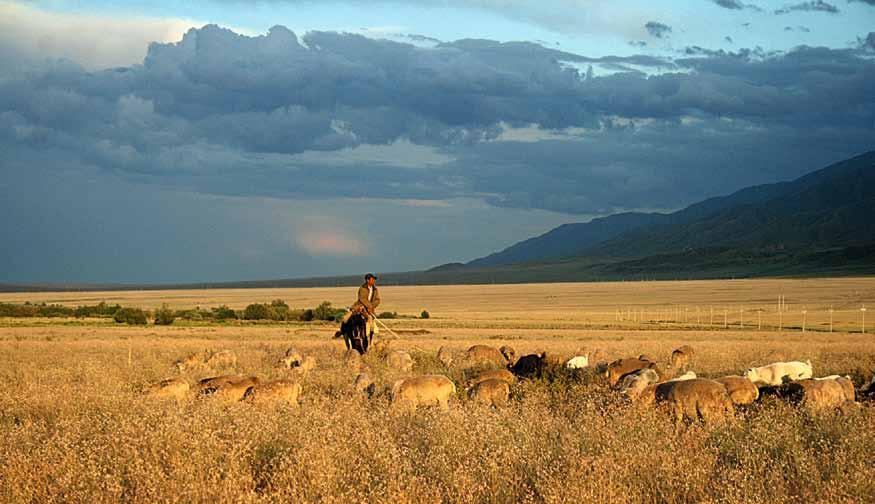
528,366
621,367
192,361
175,388
307,365
352,359
207,359
498,374
224,358
845,382
696,399
446,356
491,392
400,360
277,391
228,387
741,390
364,384
682,357
774,374
423,390
509,353
484,355
633,384
292,359
578,362
817,395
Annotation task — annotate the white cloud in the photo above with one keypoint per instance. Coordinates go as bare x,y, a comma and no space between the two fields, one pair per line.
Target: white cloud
93,41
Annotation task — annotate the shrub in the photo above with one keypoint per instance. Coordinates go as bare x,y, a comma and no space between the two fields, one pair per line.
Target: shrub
130,316
164,315
258,311
326,312
307,315
388,315
224,313
101,309
424,314
280,309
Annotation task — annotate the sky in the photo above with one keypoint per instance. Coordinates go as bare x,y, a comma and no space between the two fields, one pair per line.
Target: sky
199,141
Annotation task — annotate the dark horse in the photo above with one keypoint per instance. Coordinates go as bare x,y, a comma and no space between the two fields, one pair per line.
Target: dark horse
355,333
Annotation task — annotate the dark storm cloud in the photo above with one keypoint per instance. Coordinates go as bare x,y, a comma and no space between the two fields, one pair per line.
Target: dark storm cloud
813,6
657,29
867,43
516,123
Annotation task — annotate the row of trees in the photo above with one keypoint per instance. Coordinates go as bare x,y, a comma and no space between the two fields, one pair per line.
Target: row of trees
276,310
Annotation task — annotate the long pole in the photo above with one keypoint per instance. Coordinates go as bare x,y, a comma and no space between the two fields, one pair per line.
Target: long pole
386,327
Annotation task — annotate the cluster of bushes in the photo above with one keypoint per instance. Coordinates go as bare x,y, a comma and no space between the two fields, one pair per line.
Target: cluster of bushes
55,310
276,310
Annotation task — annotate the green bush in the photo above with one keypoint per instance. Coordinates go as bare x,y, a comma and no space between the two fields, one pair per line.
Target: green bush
101,309
130,316
164,315
326,312
258,311
224,313
280,309
424,314
388,315
307,315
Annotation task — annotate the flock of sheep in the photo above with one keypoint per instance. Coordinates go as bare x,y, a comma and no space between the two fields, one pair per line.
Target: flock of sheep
495,371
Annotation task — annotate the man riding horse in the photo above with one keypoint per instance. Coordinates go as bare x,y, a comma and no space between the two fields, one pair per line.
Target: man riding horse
359,325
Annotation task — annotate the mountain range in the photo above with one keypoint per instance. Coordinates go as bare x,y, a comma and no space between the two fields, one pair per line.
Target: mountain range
824,211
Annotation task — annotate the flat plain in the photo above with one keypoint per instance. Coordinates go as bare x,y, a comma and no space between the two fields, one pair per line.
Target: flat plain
76,426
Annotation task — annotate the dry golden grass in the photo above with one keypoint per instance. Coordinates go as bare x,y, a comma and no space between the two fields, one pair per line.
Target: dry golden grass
76,427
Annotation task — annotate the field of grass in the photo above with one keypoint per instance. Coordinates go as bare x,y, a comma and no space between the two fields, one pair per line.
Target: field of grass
76,427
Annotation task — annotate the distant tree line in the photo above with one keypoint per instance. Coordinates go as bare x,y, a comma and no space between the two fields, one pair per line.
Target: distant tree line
277,310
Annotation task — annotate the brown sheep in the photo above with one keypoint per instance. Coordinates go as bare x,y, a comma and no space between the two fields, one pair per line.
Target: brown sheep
352,359
498,374
175,388
400,360
228,387
692,399
207,359
364,384
423,390
848,387
446,356
817,395
491,392
741,390
484,355
621,367
292,359
277,391
682,357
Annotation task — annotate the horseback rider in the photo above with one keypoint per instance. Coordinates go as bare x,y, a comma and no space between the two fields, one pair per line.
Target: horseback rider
366,304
